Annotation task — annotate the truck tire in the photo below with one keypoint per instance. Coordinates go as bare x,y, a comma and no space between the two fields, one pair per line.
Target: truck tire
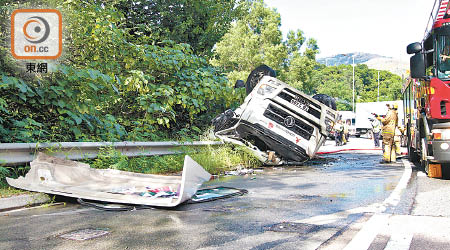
412,155
326,99
255,76
224,120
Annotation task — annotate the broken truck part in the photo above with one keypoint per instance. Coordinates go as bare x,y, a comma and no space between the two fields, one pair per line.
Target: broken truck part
75,179
278,123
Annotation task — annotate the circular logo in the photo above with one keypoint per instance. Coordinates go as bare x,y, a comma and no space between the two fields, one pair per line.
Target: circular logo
289,121
36,29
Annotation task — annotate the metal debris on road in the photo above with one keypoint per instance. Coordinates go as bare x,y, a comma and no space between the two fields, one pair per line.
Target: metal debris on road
75,179
239,172
204,195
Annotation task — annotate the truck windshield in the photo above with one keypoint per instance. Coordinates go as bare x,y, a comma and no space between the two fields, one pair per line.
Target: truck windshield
443,47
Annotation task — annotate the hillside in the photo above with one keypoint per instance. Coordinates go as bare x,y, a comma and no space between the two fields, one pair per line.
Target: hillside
373,61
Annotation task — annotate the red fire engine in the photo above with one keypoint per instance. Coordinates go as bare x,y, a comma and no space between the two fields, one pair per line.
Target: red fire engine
426,95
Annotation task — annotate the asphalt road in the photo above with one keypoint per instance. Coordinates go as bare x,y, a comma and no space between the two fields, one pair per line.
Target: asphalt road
339,200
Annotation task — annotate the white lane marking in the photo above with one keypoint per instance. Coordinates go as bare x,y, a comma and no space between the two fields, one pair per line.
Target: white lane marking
332,218
399,240
367,234
421,174
395,196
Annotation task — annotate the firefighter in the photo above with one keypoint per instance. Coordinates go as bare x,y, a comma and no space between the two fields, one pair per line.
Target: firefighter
376,129
388,131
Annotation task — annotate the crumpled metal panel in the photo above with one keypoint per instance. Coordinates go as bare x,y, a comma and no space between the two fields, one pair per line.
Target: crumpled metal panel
75,179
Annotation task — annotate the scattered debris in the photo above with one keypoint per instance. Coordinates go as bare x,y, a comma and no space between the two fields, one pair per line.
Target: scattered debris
239,172
75,179
204,195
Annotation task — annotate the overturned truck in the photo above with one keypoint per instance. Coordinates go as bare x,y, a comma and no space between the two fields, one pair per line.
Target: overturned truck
280,124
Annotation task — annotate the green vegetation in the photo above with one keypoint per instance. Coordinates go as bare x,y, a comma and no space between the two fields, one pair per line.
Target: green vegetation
215,160
13,172
256,39
112,83
337,81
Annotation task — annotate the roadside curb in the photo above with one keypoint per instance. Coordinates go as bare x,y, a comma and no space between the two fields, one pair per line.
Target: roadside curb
20,201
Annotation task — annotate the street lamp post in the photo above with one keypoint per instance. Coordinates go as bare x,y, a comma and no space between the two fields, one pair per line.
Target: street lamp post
353,65
378,96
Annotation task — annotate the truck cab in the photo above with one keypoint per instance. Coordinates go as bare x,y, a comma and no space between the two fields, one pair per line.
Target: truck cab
279,123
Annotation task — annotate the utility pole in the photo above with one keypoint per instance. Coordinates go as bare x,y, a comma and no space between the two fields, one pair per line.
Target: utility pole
378,96
353,65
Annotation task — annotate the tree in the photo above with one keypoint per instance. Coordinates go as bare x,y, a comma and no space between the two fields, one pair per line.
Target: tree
299,66
253,40
199,23
256,39
108,85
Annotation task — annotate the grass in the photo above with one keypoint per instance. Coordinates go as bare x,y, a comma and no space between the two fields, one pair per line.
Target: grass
215,160
13,172
10,191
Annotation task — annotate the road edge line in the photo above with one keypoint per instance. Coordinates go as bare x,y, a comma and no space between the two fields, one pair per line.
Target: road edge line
369,231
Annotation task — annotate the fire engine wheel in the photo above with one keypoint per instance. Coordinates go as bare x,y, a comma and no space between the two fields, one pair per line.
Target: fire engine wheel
256,75
326,99
412,155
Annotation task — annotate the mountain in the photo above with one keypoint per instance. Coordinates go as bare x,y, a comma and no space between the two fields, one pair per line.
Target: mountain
348,58
395,66
373,61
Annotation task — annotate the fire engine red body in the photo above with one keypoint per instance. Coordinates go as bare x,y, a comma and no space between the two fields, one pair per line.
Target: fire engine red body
426,95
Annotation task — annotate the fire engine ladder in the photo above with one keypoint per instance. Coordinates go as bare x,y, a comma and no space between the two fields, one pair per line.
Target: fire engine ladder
437,13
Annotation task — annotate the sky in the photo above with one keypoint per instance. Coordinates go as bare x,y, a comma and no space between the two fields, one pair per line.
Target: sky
383,27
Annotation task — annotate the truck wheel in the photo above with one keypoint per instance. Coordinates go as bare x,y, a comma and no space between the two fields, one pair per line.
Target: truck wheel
224,120
412,155
326,99
256,75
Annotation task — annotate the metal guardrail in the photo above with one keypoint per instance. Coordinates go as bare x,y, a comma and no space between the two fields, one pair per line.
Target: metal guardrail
20,153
